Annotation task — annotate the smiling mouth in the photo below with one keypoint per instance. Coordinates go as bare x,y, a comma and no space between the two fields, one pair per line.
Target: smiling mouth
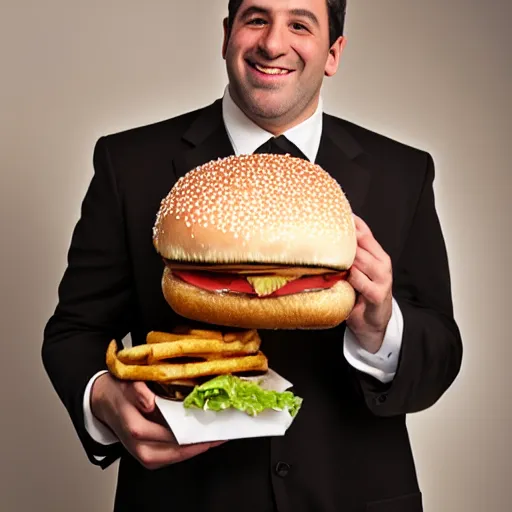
269,70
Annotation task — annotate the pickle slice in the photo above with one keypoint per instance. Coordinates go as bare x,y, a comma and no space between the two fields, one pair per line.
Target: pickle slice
266,285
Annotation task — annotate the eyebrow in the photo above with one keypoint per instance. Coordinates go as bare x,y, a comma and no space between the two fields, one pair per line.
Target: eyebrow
303,13
253,10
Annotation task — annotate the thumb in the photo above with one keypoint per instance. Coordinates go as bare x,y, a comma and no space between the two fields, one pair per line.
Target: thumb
144,397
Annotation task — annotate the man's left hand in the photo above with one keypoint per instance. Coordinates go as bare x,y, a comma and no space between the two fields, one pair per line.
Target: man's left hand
372,278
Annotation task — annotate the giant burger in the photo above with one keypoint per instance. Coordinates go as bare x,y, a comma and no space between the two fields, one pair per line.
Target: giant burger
257,241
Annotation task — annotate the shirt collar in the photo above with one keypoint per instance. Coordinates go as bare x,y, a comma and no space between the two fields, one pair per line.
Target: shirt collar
246,136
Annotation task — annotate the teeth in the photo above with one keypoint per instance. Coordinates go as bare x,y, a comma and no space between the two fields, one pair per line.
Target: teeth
271,71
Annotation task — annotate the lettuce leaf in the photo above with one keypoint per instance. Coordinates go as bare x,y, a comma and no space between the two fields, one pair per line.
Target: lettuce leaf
227,391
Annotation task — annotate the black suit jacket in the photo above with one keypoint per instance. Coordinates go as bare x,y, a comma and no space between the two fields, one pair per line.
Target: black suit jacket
348,449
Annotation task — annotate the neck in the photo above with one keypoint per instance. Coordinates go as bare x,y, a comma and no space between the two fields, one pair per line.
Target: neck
278,125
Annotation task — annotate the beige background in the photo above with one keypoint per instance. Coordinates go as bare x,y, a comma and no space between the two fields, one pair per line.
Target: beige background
436,74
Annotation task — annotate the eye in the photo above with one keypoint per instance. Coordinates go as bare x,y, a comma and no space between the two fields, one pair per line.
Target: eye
257,22
298,26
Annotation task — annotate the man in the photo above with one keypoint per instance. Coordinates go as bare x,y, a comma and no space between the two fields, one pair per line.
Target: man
399,351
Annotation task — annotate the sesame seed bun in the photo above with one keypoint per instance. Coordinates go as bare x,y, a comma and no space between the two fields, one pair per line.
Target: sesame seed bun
258,210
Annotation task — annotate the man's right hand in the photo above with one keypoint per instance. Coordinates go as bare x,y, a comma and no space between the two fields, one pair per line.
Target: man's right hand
128,409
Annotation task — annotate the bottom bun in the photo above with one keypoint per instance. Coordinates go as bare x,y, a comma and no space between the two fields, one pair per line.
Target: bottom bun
310,310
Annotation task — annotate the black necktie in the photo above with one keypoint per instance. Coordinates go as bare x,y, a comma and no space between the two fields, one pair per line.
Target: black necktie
281,146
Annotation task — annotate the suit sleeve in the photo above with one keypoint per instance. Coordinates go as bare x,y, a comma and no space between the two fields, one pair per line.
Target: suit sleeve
95,301
431,352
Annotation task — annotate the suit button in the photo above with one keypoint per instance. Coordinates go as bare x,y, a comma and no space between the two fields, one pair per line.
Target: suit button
282,469
381,399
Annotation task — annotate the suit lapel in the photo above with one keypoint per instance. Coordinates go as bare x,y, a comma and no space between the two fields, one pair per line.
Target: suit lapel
207,138
337,154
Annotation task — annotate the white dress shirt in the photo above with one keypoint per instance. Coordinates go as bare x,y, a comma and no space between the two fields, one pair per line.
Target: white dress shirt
245,137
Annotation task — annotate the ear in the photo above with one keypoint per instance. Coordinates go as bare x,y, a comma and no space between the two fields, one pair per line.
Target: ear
333,60
226,37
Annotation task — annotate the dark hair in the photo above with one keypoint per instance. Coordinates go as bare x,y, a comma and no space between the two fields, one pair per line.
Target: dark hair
335,8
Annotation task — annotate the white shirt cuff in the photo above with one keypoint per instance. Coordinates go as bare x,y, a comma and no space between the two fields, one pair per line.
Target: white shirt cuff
97,430
383,364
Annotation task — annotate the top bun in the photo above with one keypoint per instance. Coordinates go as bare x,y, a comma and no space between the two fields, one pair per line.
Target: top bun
257,209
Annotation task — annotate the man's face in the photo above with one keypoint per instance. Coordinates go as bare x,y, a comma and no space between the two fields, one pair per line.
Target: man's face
276,57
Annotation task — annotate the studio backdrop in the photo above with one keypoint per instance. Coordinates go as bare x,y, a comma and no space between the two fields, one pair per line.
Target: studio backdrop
435,75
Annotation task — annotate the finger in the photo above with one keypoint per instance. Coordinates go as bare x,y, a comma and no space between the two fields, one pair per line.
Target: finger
373,268
361,225
213,444
191,450
362,284
145,395
156,416
366,240
139,429
365,262
140,396
154,456
131,425
374,294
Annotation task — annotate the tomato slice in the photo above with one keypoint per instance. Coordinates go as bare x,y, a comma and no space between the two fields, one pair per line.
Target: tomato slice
216,282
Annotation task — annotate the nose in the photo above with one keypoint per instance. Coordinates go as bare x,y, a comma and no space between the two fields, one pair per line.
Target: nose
272,43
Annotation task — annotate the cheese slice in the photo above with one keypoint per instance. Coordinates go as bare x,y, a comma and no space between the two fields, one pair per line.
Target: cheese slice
266,285
281,270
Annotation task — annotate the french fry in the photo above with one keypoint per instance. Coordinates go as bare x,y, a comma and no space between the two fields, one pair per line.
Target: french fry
140,355
175,360
135,355
161,337
201,333
171,372
188,347
243,336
